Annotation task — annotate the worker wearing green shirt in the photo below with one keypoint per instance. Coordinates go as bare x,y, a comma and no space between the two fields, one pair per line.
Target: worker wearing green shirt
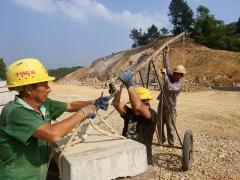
25,123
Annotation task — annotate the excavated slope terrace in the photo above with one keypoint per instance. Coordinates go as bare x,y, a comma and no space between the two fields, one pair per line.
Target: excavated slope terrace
204,66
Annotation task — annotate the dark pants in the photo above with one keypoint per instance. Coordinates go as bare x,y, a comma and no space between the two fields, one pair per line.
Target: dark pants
166,119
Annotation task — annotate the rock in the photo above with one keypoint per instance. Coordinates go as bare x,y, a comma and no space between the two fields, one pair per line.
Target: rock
222,155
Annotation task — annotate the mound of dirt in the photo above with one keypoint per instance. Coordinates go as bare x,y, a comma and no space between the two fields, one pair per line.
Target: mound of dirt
205,67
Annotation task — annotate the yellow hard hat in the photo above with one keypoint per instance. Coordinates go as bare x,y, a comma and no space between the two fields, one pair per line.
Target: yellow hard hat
26,71
143,93
179,69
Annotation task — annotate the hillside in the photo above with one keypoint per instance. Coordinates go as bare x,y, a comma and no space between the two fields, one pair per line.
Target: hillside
204,66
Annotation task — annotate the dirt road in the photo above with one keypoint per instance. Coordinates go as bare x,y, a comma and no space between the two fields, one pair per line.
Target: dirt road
213,117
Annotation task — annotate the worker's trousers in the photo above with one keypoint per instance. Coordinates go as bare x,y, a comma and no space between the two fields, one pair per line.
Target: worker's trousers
166,119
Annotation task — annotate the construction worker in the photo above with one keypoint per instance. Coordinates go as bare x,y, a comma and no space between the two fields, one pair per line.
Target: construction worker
172,87
25,123
139,121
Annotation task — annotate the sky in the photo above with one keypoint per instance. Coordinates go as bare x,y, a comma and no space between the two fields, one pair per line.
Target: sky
67,33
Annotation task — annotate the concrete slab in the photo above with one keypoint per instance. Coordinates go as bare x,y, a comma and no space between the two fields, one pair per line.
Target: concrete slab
6,97
3,89
102,157
2,84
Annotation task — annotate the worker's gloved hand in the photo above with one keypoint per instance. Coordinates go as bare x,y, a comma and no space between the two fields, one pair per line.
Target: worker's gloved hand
102,104
167,49
163,71
92,116
125,77
112,88
89,111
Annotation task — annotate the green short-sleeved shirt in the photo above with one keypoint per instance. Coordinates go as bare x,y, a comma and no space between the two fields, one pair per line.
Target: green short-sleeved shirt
21,155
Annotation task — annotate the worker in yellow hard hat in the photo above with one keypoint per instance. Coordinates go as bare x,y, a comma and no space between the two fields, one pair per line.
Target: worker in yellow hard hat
140,120
172,87
25,123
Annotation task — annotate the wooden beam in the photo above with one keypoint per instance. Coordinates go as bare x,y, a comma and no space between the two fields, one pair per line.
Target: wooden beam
140,65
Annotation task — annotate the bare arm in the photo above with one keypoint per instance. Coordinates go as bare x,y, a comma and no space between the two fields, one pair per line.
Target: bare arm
137,104
166,65
119,106
75,106
52,133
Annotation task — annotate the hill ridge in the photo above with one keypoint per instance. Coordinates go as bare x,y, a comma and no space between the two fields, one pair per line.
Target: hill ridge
204,66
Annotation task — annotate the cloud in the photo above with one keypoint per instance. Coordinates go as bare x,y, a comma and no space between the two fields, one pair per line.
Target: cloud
39,5
140,20
84,10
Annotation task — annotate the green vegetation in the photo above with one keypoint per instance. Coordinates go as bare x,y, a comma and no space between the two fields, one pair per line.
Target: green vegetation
181,16
213,33
141,38
2,69
205,28
61,72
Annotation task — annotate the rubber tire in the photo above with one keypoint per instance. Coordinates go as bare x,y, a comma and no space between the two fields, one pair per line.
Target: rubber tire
187,150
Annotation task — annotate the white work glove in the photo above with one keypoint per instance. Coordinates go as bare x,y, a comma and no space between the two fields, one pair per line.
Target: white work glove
164,71
89,111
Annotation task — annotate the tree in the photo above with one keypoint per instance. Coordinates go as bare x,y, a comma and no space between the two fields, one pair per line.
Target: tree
164,32
181,16
153,34
2,69
230,29
238,26
141,38
213,33
208,30
135,36
61,72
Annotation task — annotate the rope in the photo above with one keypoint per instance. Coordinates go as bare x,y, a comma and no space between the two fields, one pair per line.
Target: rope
64,147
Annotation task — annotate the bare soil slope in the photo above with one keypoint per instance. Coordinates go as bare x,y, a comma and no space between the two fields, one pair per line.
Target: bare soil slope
204,66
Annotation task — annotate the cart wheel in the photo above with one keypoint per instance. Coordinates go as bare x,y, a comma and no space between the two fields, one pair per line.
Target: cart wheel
187,150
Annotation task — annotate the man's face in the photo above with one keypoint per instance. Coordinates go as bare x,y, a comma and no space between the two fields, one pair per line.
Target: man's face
39,92
176,76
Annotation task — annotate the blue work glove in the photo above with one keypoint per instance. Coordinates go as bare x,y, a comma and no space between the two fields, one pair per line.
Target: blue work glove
125,77
103,105
92,116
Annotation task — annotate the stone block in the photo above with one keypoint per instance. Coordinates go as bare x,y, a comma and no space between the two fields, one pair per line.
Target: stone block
102,157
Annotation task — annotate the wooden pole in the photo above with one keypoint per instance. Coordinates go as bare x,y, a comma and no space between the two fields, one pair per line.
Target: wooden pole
141,78
162,101
140,65
183,62
149,68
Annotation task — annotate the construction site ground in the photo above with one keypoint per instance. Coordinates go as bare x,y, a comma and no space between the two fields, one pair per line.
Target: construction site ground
213,116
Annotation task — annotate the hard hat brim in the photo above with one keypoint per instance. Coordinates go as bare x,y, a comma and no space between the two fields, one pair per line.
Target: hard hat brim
140,99
50,78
